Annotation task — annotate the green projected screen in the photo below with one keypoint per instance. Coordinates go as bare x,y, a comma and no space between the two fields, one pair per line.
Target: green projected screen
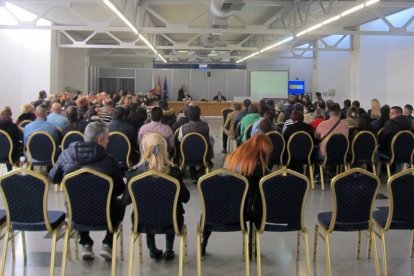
269,84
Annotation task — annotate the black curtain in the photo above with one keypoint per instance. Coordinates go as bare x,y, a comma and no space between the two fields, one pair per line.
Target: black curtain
127,84
107,84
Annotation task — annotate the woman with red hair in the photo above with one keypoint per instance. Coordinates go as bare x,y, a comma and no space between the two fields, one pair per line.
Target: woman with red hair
249,160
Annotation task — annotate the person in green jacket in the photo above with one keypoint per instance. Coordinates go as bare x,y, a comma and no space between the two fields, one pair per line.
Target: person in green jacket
252,116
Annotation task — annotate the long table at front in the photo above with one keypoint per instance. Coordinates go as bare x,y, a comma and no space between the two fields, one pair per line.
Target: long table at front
207,108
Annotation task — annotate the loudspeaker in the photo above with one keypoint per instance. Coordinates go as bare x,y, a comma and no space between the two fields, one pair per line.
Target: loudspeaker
209,74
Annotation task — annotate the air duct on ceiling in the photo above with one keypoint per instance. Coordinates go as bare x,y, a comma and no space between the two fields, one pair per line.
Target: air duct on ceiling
221,10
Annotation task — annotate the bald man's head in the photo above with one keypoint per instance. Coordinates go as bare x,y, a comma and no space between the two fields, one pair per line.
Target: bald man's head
41,111
56,108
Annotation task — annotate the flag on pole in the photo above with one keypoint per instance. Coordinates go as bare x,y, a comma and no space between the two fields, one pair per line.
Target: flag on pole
165,91
153,84
159,87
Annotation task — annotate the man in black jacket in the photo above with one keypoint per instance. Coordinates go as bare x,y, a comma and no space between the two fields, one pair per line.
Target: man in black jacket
397,123
6,124
92,154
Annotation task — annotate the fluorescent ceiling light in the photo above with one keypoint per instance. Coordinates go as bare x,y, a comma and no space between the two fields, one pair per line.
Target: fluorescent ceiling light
183,51
162,58
6,18
148,43
332,19
371,2
21,14
314,27
276,44
249,56
352,10
43,22
120,15
301,33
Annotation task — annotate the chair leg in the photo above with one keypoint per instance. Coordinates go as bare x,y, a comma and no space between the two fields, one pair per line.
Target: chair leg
4,256
412,244
131,254
297,246
114,244
243,249
358,251
24,246
384,253
372,238
13,246
53,253
315,242
246,253
328,255
121,242
258,254
186,247
65,252
305,237
198,251
311,176
321,176
369,248
181,256
76,245
253,247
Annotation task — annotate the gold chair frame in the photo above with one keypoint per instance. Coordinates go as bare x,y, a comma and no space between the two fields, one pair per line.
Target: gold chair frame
10,157
73,132
30,140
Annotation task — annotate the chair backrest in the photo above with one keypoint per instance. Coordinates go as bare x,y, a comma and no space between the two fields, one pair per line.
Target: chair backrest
155,197
283,197
402,147
276,157
363,147
248,131
22,124
337,146
176,143
222,194
6,147
70,137
299,148
119,147
24,195
88,198
194,149
353,194
41,147
225,112
401,192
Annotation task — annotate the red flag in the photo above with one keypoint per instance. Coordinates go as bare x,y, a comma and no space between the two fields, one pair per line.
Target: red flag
153,85
158,91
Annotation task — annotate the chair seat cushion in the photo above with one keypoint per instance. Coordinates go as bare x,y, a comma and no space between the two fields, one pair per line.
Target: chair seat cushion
222,227
2,217
41,163
281,227
55,219
324,218
381,216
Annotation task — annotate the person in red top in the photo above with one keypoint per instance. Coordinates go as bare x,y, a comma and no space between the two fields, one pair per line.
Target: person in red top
319,117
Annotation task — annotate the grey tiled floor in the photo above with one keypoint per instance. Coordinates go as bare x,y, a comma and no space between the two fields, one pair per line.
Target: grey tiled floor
224,250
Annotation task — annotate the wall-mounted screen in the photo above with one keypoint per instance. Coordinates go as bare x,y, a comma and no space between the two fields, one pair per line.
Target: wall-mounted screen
296,87
269,84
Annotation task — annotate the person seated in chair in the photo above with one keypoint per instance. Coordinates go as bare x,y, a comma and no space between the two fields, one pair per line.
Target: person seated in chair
219,97
92,153
155,157
55,118
7,125
298,125
40,124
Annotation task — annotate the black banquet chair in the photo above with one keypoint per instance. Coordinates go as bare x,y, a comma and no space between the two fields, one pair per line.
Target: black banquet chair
283,194
353,196
194,149
25,199
85,214
6,150
43,155
120,148
154,197
363,148
399,215
71,137
218,191
276,156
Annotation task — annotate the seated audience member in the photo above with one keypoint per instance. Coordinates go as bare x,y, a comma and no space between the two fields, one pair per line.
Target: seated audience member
265,126
269,115
375,111
120,124
92,153
408,112
229,127
55,118
41,124
331,126
7,125
352,117
136,117
250,160
243,112
356,104
168,114
195,124
28,113
249,119
183,119
344,111
107,111
155,157
156,126
298,125
296,107
74,123
327,107
219,97
42,99
280,115
379,123
318,100
319,116
83,106
396,123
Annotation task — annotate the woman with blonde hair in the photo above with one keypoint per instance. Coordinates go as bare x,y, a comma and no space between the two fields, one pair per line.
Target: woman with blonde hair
28,113
155,157
375,111
249,160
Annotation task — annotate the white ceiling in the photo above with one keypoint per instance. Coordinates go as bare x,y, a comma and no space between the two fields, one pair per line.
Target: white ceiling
174,26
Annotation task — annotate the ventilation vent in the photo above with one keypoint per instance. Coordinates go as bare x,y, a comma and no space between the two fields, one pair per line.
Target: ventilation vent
231,5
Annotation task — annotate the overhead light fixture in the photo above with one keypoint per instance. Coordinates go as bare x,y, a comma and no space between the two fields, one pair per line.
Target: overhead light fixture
249,56
120,15
43,22
162,58
276,44
6,18
183,51
302,33
332,19
314,27
21,14
371,2
148,43
352,10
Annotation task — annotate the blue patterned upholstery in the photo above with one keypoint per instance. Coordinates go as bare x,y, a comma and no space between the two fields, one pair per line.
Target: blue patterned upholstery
222,194
284,196
403,148
70,138
88,195
5,148
24,195
41,149
118,148
364,145
154,197
193,150
336,149
299,148
278,148
354,195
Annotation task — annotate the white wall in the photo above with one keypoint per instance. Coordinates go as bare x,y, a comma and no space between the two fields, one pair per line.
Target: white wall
24,66
73,69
